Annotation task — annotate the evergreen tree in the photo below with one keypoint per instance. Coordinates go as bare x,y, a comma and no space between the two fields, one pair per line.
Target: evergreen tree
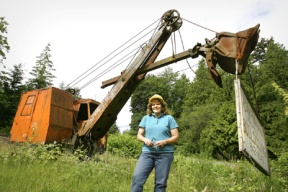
4,46
42,71
192,124
199,124
15,87
11,89
275,63
220,139
4,101
178,94
271,108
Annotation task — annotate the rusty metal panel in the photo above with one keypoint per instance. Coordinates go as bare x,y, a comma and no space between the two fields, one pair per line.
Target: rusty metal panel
83,108
61,116
40,117
22,119
44,115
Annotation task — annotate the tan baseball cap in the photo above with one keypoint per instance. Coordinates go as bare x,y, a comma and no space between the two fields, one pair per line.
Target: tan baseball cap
155,97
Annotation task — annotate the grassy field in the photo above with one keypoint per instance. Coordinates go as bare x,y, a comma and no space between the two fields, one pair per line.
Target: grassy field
48,168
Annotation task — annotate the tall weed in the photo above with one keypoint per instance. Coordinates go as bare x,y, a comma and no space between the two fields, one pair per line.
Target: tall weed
26,167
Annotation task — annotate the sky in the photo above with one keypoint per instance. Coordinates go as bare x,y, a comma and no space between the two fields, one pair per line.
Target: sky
81,33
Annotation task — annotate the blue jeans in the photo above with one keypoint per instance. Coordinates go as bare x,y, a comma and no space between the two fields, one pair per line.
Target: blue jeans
147,161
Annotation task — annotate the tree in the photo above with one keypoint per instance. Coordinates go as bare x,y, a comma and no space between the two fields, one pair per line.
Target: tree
15,87
178,94
221,139
4,46
11,89
202,111
4,100
266,75
284,94
273,69
42,71
191,127
275,64
114,129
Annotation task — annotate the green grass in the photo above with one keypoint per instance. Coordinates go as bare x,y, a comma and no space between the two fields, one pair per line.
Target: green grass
47,168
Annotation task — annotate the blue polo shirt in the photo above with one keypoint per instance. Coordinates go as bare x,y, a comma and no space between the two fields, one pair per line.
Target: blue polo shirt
158,129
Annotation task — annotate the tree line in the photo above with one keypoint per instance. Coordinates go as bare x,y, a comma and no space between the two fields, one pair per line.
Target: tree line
206,114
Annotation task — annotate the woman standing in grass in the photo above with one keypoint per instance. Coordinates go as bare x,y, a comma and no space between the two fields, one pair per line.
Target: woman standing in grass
158,131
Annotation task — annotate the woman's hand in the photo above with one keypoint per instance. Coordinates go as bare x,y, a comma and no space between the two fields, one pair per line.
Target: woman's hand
161,143
148,142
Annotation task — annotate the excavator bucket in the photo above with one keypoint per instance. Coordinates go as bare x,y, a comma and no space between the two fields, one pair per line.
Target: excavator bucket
235,46
226,49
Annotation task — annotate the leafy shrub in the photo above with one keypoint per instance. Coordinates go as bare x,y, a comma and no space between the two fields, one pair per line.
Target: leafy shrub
124,145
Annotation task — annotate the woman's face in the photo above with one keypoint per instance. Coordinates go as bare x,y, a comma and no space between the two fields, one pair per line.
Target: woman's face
156,107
